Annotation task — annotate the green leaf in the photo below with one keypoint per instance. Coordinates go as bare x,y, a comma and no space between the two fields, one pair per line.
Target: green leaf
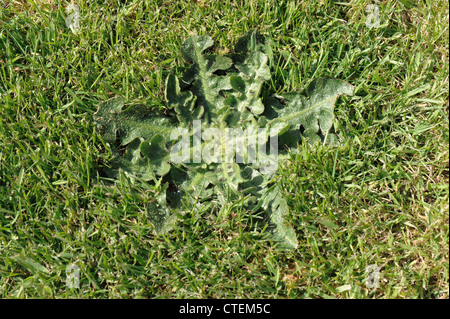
273,201
157,155
407,3
159,214
316,113
270,199
29,264
135,121
135,127
182,102
206,84
237,83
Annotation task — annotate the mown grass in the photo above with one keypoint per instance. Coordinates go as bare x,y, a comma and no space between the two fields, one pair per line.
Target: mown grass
379,199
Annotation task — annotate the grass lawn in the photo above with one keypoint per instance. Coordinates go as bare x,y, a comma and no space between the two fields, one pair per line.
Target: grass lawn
379,201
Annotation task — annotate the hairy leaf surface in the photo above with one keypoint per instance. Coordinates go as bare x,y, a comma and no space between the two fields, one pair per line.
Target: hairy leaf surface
221,93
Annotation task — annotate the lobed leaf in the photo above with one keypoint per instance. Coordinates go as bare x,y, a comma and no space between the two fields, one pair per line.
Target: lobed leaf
316,113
